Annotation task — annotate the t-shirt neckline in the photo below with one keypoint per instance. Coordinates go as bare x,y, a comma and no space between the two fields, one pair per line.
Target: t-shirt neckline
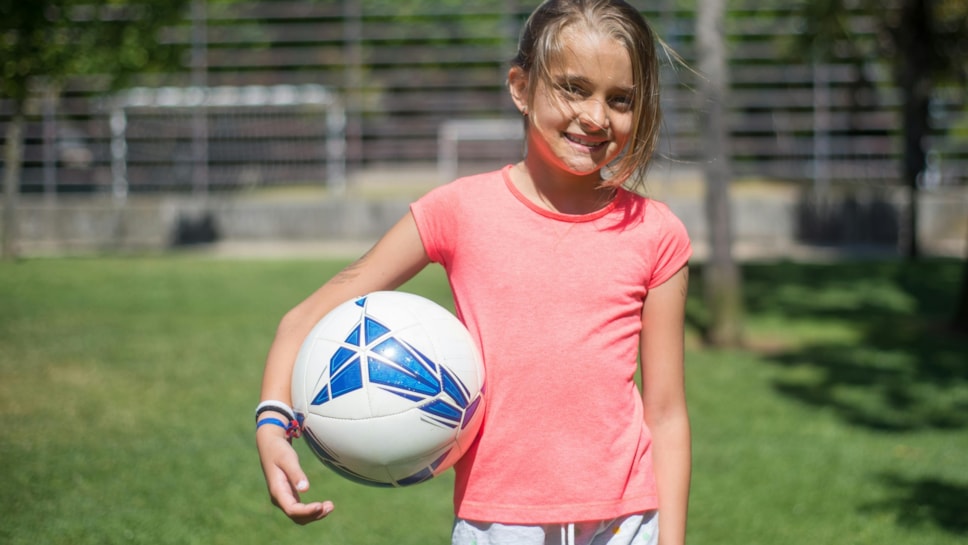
573,218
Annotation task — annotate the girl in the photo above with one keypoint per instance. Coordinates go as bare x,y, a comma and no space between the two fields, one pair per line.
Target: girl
565,279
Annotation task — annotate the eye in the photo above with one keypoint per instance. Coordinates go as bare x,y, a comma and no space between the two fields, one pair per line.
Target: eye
622,103
570,89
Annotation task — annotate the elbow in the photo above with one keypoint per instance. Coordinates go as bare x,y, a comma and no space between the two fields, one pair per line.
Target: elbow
298,321
667,416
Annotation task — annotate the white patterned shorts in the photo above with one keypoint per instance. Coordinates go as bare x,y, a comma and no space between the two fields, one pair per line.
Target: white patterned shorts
637,529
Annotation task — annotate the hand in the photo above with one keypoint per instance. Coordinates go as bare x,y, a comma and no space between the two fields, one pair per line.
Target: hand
285,478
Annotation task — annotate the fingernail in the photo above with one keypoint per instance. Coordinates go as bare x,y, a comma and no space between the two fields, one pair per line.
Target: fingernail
302,485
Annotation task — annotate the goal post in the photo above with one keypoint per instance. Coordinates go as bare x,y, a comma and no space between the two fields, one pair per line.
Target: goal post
250,136
452,132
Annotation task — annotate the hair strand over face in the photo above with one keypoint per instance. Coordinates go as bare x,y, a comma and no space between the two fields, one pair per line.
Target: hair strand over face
540,49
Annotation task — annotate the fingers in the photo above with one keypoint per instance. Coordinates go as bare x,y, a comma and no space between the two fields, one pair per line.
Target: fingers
286,480
285,495
304,513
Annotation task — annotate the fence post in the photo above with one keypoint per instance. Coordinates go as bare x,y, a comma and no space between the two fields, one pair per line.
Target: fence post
200,80
50,142
119,152
353,78
821,126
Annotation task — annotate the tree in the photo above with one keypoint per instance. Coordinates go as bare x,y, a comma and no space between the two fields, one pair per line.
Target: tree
722,282
924,43
45,42
960,320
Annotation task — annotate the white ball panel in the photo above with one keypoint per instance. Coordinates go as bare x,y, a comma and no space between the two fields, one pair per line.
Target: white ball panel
381,441
391,429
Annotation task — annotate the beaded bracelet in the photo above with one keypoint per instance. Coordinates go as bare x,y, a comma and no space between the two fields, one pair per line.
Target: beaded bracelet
293,427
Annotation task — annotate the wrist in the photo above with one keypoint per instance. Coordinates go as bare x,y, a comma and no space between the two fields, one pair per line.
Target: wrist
278,415
272,421
274,406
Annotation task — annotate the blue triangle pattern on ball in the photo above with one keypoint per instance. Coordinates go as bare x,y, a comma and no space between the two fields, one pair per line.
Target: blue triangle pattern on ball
398,368
396,364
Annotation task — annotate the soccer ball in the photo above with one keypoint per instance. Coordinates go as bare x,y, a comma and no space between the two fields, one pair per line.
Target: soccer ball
389,389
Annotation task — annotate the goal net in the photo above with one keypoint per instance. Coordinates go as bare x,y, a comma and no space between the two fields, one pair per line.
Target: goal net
217,138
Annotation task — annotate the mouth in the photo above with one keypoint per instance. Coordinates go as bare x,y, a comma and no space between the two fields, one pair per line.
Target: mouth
592,144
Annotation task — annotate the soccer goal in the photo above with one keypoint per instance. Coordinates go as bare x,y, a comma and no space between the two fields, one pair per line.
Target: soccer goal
451,133
216,138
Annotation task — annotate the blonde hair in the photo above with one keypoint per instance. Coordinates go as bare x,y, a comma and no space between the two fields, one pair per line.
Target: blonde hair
540,47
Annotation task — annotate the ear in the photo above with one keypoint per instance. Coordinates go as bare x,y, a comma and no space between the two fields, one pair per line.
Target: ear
518,85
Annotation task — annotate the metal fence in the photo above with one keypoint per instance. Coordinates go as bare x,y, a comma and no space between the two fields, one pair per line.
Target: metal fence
404,75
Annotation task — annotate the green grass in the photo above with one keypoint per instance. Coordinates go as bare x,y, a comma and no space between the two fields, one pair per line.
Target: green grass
127,387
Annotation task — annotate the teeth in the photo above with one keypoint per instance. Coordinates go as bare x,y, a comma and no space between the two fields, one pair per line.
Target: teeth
582,141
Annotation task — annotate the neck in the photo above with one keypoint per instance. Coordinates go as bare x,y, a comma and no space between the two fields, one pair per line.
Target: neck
561,192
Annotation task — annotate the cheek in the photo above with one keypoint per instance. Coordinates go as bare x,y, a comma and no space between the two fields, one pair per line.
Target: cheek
622,128
551,114
546,125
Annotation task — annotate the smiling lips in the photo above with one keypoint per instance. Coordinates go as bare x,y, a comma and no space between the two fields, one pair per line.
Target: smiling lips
591,143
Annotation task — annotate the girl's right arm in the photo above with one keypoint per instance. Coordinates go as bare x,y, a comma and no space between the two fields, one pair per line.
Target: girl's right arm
396,258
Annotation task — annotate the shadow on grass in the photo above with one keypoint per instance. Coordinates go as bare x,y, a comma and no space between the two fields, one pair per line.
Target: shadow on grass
920,502
894,366
869,341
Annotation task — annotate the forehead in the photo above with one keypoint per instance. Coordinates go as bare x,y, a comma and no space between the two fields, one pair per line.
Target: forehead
592,55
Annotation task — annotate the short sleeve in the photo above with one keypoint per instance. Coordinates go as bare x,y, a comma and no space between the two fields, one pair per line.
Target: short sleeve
435,215
673,248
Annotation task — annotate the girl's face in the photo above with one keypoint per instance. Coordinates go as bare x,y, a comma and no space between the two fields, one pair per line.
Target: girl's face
581,120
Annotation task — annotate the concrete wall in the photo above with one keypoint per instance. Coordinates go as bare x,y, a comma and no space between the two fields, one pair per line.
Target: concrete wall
75,225
768,224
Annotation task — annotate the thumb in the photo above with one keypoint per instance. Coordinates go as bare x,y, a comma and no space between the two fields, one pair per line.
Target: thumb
299,482
302,513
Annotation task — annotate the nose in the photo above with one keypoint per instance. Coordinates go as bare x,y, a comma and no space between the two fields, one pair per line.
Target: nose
593,115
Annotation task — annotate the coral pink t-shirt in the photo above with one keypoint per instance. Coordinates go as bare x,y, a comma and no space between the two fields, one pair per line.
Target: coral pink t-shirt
555,303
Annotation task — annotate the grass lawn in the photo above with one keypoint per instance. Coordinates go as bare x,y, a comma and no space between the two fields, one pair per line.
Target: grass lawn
127,387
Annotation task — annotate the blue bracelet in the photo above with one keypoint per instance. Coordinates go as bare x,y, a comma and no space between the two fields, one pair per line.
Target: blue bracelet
272,422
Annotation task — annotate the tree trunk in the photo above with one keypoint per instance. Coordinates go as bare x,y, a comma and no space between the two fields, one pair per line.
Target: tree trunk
721,277
11,184
960,320
914,40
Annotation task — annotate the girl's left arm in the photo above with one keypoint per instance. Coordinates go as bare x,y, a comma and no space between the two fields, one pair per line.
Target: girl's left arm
664,398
